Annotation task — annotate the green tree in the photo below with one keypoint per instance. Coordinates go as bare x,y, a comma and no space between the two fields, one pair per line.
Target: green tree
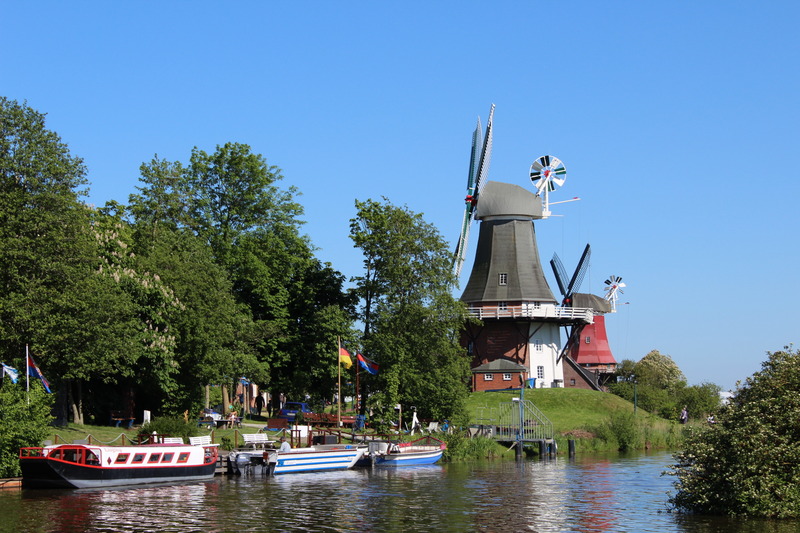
48,255
748,463
410,317
24,421
660,371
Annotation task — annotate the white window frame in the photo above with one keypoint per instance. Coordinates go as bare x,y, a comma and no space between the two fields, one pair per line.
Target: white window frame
502,278
539,372
488,377
506,377
538,345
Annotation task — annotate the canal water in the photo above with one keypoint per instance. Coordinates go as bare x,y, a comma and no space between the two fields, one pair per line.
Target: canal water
587,494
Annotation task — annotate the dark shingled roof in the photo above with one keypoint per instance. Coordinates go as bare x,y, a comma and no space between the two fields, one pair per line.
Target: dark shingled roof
500,365
507,244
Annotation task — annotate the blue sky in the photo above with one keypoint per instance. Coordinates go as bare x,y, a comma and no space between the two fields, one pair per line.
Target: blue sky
677,123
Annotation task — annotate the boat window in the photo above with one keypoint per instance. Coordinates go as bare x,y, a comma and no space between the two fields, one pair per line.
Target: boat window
167,458
91,458
70,455
55,454
183,457
138,457
121,458
154,458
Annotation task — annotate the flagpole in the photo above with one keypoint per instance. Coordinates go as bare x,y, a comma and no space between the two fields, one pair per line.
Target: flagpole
27,375
339,393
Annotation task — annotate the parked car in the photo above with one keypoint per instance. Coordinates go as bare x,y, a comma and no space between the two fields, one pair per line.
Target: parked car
290,410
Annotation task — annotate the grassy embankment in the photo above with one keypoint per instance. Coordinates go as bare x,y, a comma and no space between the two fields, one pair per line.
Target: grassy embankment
598,422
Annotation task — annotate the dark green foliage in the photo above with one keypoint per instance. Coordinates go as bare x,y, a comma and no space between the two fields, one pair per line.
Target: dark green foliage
748,463
410,318
24,421
169,427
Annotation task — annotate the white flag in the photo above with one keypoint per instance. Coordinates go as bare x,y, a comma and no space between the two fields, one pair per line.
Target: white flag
12,372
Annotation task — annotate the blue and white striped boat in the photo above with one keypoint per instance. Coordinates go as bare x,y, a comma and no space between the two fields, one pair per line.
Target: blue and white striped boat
312,459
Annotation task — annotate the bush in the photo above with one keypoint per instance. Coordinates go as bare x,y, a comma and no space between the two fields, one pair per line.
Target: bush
169,426
24,421
748,463
462,448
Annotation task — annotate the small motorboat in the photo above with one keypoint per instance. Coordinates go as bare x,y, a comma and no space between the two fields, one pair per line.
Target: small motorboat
423,451
88,466
311,459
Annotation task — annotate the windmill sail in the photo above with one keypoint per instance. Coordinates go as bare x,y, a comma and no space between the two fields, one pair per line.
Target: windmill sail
480,155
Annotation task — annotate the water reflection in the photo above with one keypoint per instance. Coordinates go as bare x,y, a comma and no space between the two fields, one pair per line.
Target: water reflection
598,494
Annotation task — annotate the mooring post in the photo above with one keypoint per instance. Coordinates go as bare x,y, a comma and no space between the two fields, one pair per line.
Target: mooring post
571,443
518,451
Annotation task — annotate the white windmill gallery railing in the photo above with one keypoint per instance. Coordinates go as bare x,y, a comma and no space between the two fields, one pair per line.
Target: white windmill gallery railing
583,314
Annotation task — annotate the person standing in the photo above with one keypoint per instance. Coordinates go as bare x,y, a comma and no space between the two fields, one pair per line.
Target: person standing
259,404
684,415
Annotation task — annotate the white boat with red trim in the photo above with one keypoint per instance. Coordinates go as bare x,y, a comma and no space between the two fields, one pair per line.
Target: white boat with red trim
90,466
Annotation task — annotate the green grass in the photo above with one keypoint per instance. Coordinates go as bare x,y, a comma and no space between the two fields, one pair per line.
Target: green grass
120,436
580,415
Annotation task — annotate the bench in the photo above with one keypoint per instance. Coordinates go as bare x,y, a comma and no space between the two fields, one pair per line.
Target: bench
275,424
118,418
172,440
200,441
256,439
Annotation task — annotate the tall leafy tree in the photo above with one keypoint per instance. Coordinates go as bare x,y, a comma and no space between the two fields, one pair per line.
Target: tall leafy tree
49,294
410,317
230,200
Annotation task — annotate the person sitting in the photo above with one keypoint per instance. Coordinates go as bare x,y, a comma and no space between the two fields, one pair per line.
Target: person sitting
233,419
285,446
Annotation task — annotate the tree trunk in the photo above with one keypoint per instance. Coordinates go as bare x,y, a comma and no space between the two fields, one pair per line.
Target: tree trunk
76,401
208,396
226,401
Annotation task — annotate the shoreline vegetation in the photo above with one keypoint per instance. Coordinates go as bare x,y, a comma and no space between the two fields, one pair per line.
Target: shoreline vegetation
597,422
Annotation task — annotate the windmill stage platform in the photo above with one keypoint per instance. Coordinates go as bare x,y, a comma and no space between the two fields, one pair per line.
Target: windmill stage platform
577,315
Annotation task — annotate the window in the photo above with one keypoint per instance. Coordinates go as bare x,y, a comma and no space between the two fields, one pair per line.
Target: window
506,377
470,348
138,457
588,339
537,305
537,345
503,306
122,458
167,458
154,458
540,372
572,382
503,278
183,457
488,377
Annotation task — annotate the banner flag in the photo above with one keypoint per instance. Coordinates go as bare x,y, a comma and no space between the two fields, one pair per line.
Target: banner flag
34,372
344,357
366,364
12,372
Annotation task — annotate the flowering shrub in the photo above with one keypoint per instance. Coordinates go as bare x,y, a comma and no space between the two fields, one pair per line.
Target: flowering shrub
748,462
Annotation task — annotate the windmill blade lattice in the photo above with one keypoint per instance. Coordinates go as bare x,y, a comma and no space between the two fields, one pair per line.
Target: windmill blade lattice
480,156
560,274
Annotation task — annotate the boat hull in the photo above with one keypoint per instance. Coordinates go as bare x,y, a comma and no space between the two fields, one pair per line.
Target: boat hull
48,470
409,458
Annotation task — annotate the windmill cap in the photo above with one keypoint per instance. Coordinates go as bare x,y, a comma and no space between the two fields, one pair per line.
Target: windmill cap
506,200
